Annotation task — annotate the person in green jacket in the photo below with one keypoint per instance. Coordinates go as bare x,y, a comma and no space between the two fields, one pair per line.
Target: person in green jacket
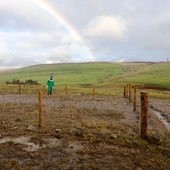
50,85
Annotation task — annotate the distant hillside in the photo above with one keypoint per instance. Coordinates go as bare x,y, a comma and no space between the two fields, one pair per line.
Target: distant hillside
154,75
101,73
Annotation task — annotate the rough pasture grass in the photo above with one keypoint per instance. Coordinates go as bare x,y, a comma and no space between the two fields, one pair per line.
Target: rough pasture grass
105,75
157,74
33,89
73,74
76,90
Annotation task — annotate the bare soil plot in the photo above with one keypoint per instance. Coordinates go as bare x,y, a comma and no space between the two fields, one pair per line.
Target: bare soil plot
80,132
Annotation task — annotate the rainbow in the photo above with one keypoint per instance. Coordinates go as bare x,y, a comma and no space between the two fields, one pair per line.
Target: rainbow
46,7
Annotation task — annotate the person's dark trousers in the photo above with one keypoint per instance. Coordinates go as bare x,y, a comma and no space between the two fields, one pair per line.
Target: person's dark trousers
49,92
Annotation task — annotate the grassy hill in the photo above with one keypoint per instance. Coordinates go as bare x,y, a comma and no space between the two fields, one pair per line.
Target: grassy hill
99,73
155,75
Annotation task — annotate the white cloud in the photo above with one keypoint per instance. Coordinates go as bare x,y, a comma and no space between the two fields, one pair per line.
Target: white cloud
128,59
67,39
107,26
24,45
124,30
34,41
67,53
22,15
59,57
3,53
29,41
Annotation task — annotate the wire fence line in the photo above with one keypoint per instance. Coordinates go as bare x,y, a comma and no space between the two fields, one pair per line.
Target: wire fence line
33,89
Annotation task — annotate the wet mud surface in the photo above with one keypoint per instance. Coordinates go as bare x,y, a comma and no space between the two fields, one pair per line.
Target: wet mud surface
80,132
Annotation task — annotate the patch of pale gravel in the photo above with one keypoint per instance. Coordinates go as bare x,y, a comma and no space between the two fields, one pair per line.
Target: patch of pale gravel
18,98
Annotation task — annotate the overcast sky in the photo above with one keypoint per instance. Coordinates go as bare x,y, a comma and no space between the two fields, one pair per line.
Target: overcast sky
61,31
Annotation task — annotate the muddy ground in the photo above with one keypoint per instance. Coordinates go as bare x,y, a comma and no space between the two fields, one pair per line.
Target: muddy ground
81,132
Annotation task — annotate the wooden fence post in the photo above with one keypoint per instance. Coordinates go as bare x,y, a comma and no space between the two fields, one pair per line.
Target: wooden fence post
65,89
144,115
40,108
124,91
130,94
93,90
127,92
43,89
19,89
134,100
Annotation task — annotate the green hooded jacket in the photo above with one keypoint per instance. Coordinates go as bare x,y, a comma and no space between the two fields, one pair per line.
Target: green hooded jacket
50,84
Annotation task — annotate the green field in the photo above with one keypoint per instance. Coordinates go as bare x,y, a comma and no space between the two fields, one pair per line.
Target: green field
156,75
97,73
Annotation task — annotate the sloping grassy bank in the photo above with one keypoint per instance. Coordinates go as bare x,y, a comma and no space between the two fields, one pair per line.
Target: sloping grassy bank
153,76
98,73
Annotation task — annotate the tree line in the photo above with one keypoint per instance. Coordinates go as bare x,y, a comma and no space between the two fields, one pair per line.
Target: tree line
17,81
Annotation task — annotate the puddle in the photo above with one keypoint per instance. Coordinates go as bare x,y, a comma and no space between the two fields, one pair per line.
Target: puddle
162,119
30,146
